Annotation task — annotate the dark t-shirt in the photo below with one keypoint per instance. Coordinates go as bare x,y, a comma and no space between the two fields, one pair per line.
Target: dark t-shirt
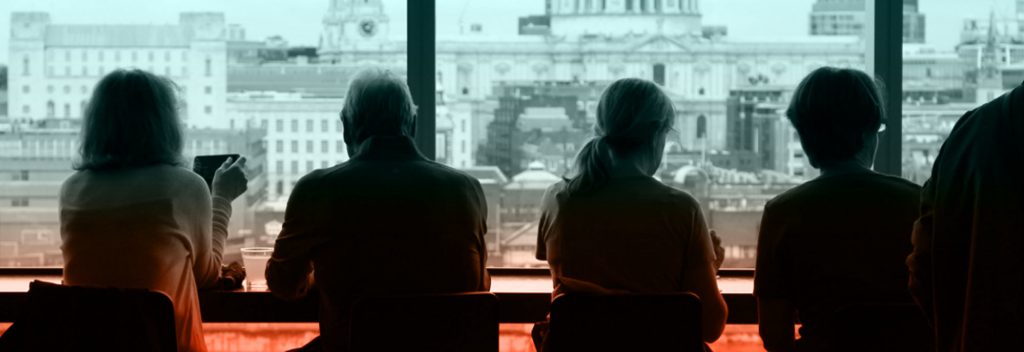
834,241
631,235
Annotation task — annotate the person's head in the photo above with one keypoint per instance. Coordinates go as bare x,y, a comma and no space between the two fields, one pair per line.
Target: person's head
131,121
633,118
838,113
378,104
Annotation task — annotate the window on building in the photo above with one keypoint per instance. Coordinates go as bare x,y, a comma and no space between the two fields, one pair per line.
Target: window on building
295,125
295,166
19,202
208,90
208,71
309,125
26,68
208,109
339,146
324,147
309,147
323,126
295,147
279,146
50,109
309,166
67,110
279,125
279,168
20,175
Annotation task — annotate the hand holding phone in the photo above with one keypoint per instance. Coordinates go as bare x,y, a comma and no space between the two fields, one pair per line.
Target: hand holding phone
224,174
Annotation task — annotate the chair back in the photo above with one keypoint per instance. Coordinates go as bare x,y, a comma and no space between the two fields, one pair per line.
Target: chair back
71,318
625,322
430,322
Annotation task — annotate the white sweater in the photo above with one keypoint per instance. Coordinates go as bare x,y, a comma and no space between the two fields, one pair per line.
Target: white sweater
154,227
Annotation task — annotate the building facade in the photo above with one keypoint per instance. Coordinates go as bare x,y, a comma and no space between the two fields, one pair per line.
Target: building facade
56,66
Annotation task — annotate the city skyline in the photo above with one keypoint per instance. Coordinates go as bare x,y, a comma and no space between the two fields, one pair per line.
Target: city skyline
261,18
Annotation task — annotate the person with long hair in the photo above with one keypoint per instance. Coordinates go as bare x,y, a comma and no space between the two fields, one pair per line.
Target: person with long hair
836,243
613,228
131,215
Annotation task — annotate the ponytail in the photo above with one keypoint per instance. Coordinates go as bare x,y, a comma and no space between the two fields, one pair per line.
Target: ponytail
592,166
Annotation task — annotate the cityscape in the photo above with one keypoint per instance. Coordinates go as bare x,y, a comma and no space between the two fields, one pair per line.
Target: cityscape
512,110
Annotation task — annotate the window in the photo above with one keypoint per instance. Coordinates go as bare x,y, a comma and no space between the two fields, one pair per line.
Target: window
295,166
295,125
323,126
208,68
309,166
309,125
295,147
26,68
547,105
50,109
208,109
279,146
309,146
946,75
67,110
279,125
19,202
324,146
339,147
208,90
20,175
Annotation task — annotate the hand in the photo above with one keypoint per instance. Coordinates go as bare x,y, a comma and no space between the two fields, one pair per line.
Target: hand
716,242
231,276
229,181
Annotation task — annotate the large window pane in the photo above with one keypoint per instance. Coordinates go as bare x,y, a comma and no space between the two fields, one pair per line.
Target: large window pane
251,81
518,84
973,57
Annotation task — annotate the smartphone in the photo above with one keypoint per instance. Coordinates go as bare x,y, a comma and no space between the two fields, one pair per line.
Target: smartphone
207,165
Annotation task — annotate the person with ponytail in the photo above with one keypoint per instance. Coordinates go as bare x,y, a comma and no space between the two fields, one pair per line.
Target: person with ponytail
613,228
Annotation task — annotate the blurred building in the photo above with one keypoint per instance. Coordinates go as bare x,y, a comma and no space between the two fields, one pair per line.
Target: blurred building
36,156
55,66
849,18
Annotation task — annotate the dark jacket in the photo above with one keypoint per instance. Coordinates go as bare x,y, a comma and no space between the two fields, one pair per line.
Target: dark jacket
967,270
388,221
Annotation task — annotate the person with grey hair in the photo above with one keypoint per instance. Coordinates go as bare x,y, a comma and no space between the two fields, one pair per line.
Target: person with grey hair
387,221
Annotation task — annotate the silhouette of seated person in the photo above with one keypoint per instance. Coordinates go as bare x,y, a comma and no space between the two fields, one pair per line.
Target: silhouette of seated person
967,261
840,239
613,228
387,221
131,215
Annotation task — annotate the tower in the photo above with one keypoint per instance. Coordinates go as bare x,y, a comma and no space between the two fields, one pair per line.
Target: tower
353,25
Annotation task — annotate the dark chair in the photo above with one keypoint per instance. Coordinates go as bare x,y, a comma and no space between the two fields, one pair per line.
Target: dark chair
433,322
70,318
629,322
880,327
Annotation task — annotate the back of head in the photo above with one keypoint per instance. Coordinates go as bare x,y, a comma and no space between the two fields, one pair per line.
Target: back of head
131,121
834,110
633,117
378,104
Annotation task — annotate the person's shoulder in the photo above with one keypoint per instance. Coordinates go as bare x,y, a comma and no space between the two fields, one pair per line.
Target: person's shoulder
674,195
900,183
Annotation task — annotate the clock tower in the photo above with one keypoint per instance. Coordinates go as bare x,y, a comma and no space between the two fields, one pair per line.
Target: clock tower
353,25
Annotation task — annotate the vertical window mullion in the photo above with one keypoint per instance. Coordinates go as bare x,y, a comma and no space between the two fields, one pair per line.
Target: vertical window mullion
421,46
887,62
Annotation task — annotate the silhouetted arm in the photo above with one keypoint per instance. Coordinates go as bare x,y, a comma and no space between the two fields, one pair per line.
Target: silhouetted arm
290,268
919,261
481,204
774,307
775,323
699,277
